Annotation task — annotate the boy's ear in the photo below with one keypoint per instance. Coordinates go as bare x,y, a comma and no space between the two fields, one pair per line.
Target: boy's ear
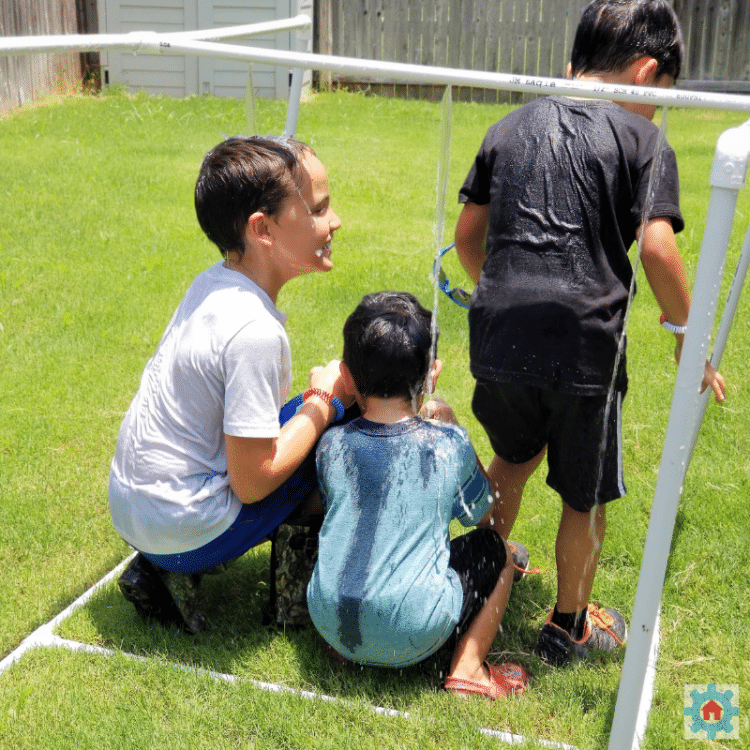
569,71
433,375
346,376
257,228
644,71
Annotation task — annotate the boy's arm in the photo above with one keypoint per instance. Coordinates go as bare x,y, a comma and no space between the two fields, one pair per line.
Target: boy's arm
470,238
258,466
438,409
665,271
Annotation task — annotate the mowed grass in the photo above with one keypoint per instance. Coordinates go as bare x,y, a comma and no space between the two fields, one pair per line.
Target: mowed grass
98,241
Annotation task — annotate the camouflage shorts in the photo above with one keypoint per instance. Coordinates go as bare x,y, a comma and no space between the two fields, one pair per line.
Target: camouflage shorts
296,549
184,588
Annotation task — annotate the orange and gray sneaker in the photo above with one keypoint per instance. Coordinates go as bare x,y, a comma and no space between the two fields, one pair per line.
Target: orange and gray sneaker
605,630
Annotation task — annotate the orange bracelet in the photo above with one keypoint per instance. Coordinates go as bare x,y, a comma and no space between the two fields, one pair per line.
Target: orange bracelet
328,398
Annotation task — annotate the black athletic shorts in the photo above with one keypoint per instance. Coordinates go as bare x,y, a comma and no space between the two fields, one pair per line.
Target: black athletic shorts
584,459
478,557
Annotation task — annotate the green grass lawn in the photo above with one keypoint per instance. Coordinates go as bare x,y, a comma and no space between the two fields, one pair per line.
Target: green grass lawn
98,241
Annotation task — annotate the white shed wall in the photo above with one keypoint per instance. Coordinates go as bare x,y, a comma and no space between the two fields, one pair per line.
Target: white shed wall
182,75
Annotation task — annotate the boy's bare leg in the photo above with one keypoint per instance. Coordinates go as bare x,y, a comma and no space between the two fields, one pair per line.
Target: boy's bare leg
508,482
473,648
579,544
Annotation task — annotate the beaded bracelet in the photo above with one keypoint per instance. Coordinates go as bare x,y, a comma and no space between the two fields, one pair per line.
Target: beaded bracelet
328,398
672,327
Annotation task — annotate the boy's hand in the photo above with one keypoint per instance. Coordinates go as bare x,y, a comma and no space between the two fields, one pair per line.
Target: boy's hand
711,377
329,379
438,409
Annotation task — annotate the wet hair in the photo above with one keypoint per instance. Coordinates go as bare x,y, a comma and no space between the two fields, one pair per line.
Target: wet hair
243,175
613,34
388,345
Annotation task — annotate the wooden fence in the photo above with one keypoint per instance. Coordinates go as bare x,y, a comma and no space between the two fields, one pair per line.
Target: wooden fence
27,78
527,37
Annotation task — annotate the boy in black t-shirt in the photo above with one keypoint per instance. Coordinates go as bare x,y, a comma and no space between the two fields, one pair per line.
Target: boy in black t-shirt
552,203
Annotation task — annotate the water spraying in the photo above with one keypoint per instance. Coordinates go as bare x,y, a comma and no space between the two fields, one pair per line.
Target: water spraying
441,192
653,182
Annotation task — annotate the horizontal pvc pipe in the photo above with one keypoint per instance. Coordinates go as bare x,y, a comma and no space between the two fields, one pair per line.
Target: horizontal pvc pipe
152,42
136,41
301,21
408,73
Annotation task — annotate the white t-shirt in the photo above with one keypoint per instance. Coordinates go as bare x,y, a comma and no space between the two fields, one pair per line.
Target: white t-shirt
222,366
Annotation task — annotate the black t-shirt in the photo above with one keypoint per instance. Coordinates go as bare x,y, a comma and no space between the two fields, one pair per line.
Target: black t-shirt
566,181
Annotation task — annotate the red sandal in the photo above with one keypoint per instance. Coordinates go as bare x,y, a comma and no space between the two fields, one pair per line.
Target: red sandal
505,679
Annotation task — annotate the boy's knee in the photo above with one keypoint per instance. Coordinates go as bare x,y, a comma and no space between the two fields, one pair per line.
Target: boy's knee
491,537
508,564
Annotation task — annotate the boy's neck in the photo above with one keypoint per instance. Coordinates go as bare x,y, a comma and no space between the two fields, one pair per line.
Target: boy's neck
264,279
388,410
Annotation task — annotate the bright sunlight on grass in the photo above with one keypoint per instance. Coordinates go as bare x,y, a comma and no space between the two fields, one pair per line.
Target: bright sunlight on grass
99,240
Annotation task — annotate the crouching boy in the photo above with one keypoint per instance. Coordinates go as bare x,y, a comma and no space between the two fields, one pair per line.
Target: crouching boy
390,588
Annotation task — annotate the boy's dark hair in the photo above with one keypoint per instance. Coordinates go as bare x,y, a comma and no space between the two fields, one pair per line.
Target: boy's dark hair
612,34
243,175
388,345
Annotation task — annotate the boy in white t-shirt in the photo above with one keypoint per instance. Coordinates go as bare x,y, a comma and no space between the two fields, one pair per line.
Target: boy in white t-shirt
203,469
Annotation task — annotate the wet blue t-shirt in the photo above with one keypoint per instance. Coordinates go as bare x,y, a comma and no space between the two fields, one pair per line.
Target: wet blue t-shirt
382,591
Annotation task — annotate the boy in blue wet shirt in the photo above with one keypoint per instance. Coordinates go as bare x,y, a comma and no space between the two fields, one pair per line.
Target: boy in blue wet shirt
390,588
555,198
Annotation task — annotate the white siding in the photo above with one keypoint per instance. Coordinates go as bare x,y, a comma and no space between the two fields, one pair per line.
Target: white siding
182,75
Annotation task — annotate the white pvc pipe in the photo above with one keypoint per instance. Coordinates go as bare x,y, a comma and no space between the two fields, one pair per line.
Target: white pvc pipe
137,41
408,73
295,98
175,43
301,21
728,172
727,178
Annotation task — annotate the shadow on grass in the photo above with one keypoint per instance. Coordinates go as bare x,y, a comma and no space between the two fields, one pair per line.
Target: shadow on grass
238,643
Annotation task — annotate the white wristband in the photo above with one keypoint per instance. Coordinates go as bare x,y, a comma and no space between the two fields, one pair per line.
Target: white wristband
671,327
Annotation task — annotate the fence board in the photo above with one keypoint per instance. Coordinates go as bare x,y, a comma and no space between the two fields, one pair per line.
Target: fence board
741,67
442,24
414,42
493,23
25,78
722,53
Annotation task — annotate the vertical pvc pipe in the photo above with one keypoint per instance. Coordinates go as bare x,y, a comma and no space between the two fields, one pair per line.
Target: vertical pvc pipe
729,171
727,177
295,92
733,301
295,97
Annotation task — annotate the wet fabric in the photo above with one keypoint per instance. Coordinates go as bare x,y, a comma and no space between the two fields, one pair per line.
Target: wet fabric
383,591
566,181
584,453
253,524
478,558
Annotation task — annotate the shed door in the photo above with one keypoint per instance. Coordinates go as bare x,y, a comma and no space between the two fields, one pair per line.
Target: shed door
182,75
